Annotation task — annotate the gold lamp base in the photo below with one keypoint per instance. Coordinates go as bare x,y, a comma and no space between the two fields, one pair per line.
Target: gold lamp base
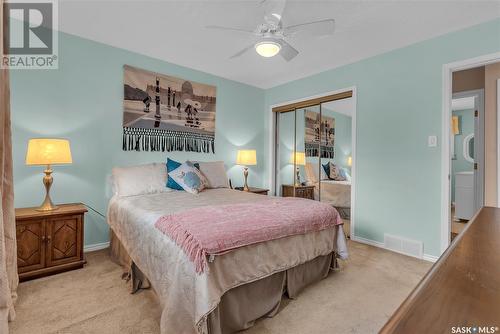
47,204
245,173
297,179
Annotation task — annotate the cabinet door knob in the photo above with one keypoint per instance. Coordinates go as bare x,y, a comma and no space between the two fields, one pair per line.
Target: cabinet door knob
48,239
43,238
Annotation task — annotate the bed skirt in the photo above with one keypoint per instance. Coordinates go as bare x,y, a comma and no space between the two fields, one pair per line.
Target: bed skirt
240,307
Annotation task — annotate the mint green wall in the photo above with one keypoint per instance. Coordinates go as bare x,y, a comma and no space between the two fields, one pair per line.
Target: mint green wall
459,164
82,101
399,103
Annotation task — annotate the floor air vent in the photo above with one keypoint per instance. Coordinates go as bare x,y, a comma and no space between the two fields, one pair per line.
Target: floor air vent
404,246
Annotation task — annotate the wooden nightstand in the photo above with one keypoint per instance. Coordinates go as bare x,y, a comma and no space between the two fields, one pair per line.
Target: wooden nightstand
49,242
259,191
288,190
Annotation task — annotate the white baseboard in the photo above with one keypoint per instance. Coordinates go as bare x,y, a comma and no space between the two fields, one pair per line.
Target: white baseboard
430,258
426,257
95,247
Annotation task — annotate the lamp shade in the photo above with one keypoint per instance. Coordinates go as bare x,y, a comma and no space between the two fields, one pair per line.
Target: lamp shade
349,161
246,157
299,158
48,151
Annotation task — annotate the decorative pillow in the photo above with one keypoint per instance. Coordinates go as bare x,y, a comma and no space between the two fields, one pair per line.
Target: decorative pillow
324,175
326,169
215,173
311,173
171,165
139,180
335,172
189,178
344,173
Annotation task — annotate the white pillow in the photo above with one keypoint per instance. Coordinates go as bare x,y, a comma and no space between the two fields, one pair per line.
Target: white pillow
312,172
335,173
215,172
140,180
189,178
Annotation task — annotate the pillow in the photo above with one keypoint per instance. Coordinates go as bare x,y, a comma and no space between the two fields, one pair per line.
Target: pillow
215,173
344,173
326,169
139,180
189,178
324,175
171,165
311,173
335,172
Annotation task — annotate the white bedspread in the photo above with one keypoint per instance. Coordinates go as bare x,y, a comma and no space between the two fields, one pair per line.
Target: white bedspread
336,193
186,297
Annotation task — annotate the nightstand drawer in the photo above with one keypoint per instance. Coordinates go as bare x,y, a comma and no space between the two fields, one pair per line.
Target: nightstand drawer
304,193
297,191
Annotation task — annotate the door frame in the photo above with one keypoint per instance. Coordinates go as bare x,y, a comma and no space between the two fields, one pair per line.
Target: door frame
498,143
447,94
272,144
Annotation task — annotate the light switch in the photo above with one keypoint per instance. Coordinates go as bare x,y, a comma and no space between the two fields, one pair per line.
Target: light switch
432,141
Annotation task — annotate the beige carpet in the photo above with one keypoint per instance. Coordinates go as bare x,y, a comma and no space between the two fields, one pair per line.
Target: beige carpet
357,299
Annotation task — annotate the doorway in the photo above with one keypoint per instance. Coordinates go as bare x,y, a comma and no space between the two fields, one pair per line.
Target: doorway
467,156
479,147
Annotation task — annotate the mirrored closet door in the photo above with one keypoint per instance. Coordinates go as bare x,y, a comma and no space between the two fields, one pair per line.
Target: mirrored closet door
313,151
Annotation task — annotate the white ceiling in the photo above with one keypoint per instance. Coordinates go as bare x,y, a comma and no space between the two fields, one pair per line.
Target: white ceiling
175,31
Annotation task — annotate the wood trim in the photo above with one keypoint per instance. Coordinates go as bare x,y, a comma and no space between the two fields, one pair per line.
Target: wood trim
51,270
64,210
313,102
461,289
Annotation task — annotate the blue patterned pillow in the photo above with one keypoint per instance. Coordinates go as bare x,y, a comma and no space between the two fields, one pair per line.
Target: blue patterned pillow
171,165
326,168
189,178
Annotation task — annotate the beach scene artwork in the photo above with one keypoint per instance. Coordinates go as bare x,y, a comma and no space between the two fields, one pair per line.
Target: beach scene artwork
317,131
169,106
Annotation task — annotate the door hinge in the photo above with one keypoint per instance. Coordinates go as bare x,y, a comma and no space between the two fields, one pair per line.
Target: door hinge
476,113
475,165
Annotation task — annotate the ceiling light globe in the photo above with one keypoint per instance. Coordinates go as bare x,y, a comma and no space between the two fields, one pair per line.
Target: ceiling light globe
267,48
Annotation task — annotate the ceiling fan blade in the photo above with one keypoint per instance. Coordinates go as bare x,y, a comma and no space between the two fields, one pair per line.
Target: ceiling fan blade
287,51
214,27
273,11
316,28
242,52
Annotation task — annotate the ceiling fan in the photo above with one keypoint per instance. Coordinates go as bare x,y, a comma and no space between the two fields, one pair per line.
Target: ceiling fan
272,34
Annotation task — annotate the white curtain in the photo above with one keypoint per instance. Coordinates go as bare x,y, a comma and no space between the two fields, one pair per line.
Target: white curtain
8,260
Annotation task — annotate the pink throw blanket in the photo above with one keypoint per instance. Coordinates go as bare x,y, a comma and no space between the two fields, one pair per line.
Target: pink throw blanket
216,229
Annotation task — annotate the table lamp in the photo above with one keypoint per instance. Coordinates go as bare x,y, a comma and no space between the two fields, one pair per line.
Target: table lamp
48,151
299,159
246,158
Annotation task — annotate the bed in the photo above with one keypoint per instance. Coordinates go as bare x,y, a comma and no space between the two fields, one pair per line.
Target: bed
240,286
335,193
